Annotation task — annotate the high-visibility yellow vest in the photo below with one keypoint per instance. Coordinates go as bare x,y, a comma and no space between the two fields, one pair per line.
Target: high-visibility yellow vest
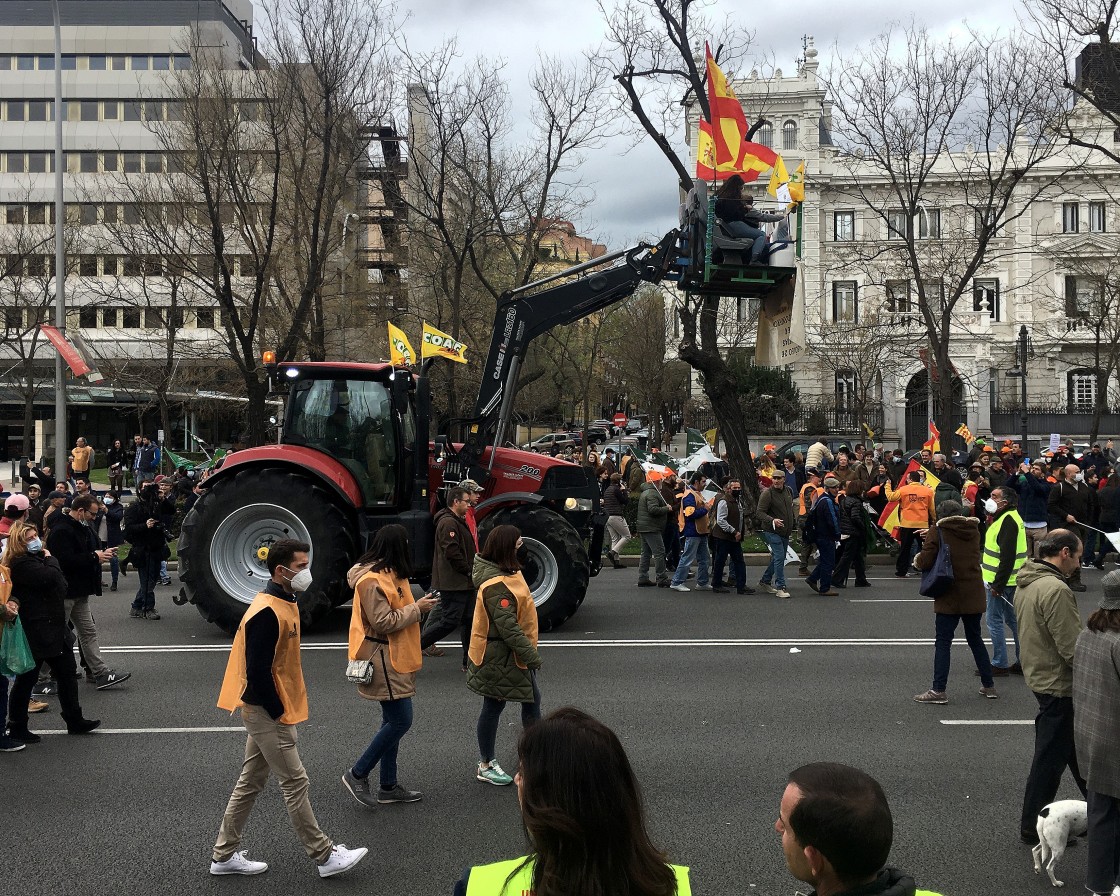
989,563
495,879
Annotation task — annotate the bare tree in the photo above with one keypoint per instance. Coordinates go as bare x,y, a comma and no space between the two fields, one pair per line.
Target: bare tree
945,144
652,52
481,201
262,178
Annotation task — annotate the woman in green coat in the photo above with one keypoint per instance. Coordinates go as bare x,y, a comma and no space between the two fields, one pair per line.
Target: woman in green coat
503,656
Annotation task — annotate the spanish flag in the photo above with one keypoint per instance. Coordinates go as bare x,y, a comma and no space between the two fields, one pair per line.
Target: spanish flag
437,344
933,443
728,127
400,349
706,167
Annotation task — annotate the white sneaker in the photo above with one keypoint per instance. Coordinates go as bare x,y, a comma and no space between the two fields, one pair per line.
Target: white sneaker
341,859
767,588
781,592
680,587
238,863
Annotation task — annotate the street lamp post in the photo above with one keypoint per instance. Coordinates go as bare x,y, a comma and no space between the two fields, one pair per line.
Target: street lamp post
60,452
1024,345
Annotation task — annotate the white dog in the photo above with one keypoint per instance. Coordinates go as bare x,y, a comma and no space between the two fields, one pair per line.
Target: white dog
1057,823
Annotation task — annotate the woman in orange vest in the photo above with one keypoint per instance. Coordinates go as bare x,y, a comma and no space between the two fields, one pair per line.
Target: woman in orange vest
385,628
582,810
503,656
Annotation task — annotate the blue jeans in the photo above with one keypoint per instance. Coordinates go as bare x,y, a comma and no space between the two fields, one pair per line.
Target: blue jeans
821,577
743,231
695,546
147,567
396,719
1002,612
487,728
114,567
776,572
946,626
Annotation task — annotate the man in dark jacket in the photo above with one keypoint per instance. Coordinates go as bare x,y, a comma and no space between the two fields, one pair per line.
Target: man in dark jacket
727,537
776,520
1034,490
145,531
451,575
837,832
146,463
826,528
652,512
73,543
1096,459
1071,503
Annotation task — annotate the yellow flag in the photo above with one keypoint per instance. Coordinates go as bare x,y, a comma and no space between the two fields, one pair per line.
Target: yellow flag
797,184
778,177
438,344
400,349
964,432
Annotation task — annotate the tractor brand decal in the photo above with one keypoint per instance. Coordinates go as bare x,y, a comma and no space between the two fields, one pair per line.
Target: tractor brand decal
532,472
507,332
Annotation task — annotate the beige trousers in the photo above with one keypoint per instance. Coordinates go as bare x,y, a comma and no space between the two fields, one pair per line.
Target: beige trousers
270,746
78,612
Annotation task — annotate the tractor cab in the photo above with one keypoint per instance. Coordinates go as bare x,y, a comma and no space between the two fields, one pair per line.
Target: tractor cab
362,416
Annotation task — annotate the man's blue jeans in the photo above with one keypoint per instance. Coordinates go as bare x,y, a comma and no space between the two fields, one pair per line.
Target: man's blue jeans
148,568
396,719
1001,612
695,546
776,572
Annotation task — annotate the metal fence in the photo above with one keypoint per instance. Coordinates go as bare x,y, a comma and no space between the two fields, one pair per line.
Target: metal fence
812,420
1060,418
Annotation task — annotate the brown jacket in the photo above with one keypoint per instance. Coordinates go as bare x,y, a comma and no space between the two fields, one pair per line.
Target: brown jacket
380,620
962,533
854,471
454,555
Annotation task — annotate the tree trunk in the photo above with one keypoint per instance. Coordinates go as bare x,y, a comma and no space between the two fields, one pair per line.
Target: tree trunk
256,416
721,388
165,425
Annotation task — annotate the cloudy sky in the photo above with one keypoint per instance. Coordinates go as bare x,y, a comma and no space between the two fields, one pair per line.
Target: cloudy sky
633,188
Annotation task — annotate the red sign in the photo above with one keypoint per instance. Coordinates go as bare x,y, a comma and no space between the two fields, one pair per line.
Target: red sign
63,347
620,419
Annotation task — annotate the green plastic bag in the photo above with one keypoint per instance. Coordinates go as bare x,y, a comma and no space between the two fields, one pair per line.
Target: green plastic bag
15,652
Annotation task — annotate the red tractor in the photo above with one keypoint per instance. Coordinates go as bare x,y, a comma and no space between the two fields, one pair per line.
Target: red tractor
354,454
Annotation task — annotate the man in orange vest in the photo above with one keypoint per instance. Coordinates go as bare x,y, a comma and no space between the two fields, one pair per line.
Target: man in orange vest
915,514
264,679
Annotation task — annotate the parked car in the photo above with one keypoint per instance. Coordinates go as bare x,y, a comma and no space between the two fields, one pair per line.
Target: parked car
560,440
595,435
834,445
633,425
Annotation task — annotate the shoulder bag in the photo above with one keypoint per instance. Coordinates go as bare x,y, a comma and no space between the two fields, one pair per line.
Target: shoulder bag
938,578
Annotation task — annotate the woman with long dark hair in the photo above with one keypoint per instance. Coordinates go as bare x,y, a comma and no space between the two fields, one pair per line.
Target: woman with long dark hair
740,216
503,657
582,809
385,629
39,588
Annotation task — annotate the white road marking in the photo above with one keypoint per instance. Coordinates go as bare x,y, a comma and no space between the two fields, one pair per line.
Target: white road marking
582,642
206,730
987,721
890,600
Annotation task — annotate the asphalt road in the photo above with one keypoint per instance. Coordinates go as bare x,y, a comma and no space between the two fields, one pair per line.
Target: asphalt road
705,690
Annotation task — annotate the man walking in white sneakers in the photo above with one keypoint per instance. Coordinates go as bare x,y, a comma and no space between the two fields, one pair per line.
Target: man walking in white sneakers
264,678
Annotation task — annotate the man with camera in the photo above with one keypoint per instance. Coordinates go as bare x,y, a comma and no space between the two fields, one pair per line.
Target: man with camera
147,536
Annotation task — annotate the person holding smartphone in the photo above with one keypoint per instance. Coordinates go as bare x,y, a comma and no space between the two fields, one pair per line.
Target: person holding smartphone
385,629
147,536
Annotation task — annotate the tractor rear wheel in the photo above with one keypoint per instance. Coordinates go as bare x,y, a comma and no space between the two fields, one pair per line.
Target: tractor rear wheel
227,534
553,560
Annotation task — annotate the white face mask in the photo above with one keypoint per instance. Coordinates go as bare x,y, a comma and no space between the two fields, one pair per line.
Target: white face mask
1080,477
990,505
109,502
302,580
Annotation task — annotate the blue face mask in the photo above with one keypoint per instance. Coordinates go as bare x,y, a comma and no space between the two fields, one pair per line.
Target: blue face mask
34,546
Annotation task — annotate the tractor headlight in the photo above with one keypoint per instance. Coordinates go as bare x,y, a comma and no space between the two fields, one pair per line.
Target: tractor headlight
573,504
